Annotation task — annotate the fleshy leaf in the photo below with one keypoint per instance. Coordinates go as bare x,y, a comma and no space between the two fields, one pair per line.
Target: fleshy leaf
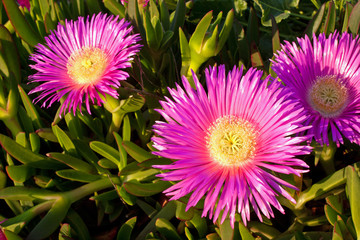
280,9
78,176
166,229
126,229
352,190
20,24
145,189
354,19
137,152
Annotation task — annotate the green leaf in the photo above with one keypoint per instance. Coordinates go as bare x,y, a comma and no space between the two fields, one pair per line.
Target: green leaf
105,163
352,190
72,162
315,23
44,181
20,24
164,15
106,151
126,128
354,19
331,214
344,230
189,235
148,210
64,140
3,179
129,169
131,104
145,189
166,229
198,36
214,236
65,232
151,39
20,173
323,186
25,193
47,133
78,176
280,9
125,196
275,38
74,125
106,196
49,23
123,153
94,6
330,19
256,59
335,202
350,227
167,212
137,152
181,213
348,9
11,236
337,234
34,142
95,124
200,224
126,229
17,151
51,221
11,55
225,31
226,231
185,52
252,32
244,232
179,17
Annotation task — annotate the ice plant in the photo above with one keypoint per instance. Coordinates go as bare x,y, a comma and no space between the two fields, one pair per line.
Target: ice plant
229,144
324,75
83,61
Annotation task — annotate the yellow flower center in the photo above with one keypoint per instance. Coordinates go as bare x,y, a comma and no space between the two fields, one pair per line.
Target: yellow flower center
87,65
231,140
328,96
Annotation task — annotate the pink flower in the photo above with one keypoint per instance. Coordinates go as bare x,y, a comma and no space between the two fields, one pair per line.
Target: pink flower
324,76
24,3
83,61
229,143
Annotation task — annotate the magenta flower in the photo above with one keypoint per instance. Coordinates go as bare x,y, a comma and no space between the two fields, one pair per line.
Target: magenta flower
24,3
83,61
324,76
230,143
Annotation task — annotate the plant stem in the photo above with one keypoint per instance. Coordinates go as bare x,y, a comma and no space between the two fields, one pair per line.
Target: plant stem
13,125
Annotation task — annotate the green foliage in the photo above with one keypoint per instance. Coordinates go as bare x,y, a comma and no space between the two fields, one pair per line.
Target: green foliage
88,176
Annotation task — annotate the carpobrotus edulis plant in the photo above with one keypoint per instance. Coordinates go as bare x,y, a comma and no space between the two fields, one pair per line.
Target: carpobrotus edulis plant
83,61
324,75
227,143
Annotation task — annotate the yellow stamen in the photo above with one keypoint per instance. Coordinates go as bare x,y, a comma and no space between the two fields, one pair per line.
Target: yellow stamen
328,96
231,141
87,65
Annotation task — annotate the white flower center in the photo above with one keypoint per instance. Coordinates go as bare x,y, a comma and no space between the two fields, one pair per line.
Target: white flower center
87,66
328,96
231,140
